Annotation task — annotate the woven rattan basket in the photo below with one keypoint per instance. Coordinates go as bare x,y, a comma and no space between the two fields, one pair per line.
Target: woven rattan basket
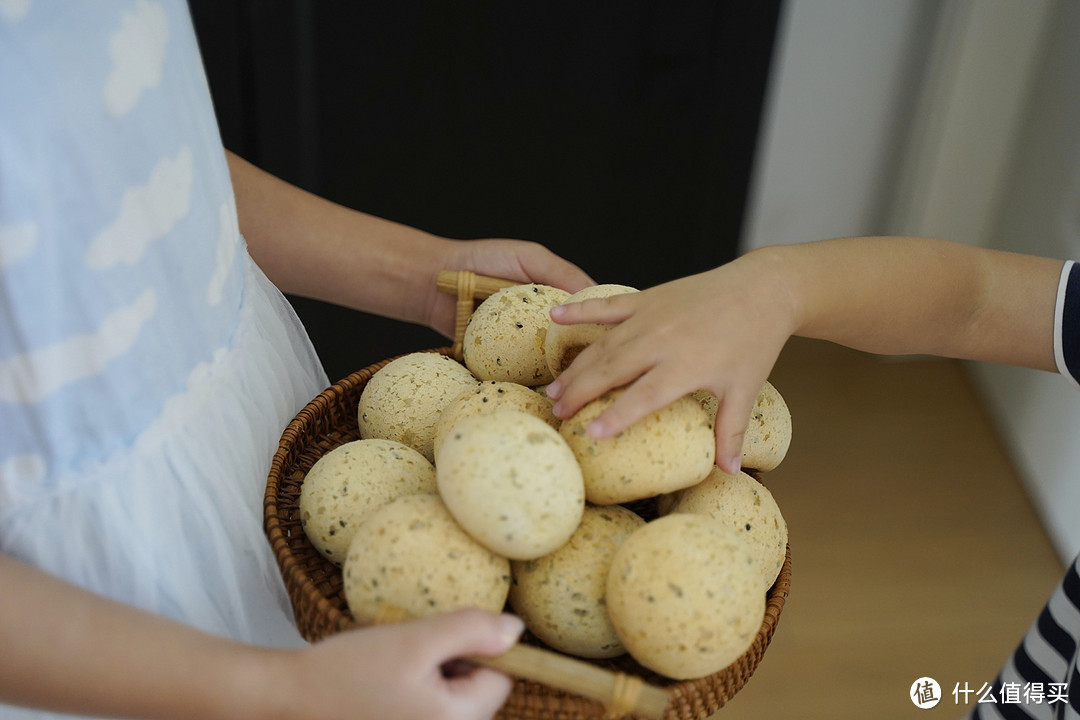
316,591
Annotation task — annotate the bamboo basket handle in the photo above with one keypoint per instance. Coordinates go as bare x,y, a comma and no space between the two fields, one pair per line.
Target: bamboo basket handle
620,693
469,287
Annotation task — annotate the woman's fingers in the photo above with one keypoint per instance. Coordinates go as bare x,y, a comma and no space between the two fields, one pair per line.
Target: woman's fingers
471,632
476,691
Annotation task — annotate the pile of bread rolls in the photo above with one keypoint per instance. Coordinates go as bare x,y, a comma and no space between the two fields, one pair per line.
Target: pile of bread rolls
466,490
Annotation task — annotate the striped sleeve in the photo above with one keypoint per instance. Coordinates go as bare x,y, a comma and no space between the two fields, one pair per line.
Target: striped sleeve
1067,323
1042,674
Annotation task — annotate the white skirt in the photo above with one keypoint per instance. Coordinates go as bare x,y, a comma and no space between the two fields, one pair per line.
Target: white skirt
173,523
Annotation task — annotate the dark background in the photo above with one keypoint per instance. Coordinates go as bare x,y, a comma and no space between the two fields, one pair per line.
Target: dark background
620,135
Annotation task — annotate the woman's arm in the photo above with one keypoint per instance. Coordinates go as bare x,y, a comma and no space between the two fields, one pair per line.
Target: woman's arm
722,330
68,650
72,651
312,247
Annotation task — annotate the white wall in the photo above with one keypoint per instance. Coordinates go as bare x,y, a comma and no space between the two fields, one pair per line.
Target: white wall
957,120
1040,214
844,78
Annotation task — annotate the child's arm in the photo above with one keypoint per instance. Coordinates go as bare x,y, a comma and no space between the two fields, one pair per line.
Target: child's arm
315,248
71,651
722,330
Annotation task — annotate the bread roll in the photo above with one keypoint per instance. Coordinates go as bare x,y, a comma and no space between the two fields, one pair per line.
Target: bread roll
504,339
352,480
685,596
410,553
403,400
768,429
747,507
561,597
667,450
563,342
488,397
511,481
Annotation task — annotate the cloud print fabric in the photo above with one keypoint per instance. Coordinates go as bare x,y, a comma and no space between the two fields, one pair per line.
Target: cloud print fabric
100,185
147,365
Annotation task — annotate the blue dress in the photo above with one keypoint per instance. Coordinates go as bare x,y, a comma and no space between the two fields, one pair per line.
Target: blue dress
147,366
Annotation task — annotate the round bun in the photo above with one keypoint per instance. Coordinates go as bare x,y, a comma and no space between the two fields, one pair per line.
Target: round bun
563,342
708,401
403,400
747,507
667,450
684,596
768,430
768,433
352,480
487,397
510,480
411,554
561,596
504,339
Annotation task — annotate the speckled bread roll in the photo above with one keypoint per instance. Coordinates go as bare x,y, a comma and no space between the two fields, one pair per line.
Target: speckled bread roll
403,400
563,342
667,450
768,433
561,596
410,553
504,339
487,397
768,430
747,507
708,401
684,596
352,480
510,480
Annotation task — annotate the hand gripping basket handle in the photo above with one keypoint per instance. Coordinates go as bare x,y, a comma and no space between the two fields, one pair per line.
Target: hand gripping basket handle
620,693
469,287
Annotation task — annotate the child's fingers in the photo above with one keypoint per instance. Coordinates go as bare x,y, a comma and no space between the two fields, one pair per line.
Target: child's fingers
732,417
648,393
607,310
604,365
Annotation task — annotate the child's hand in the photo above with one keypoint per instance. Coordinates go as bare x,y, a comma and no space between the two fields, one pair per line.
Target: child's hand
405,671
520,260
720,331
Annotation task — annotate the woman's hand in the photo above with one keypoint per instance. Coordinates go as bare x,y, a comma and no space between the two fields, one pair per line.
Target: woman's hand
720,331
520,260
315,248
407,671
72,651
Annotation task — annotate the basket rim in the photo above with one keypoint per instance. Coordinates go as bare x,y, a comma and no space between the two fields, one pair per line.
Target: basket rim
304,590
